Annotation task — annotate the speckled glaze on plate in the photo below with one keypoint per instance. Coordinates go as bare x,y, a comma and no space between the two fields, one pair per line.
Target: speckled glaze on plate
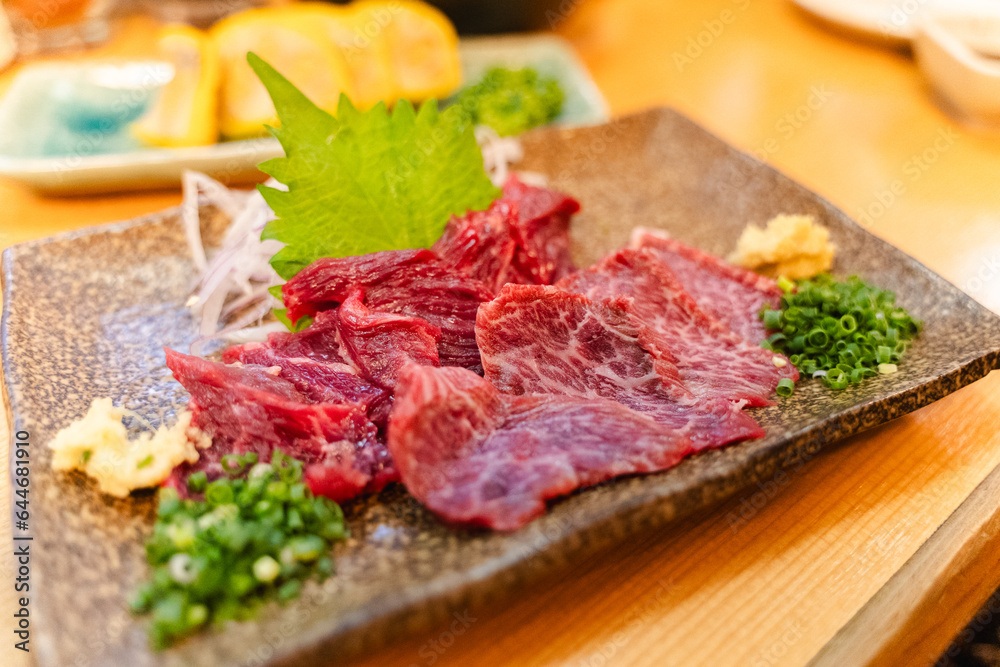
86,313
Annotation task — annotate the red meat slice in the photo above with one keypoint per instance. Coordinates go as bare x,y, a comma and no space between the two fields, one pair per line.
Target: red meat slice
712,361
405,282
250,409
541,232
317,341
732,295
477,457
379,344
319,381
481,244
536,339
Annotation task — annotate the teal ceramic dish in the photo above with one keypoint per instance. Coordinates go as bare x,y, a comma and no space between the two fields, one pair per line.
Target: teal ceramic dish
55,166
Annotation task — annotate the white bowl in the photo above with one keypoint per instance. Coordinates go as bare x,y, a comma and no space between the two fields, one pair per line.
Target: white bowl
949,49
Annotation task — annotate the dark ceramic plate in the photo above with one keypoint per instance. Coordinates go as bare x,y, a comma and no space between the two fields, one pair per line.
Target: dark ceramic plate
86,314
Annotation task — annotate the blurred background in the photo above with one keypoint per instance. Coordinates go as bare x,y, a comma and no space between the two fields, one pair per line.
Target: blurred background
889,109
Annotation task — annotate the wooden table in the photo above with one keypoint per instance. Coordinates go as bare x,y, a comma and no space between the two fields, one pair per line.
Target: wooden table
880,549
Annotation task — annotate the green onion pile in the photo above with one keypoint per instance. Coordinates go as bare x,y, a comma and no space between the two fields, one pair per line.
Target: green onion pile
843,332
512,101
257,535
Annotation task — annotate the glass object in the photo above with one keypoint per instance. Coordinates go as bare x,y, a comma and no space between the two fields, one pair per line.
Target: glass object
43,26
77,110
199,13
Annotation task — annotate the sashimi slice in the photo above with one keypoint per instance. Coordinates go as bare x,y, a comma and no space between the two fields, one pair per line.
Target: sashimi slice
731,294
536,339
712,361
477,457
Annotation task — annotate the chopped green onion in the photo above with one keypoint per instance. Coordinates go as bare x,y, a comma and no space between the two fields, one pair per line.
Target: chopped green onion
843,332
266,569
772,319
255,536
818,338
785,387
786,285
887,369
197,482
836,379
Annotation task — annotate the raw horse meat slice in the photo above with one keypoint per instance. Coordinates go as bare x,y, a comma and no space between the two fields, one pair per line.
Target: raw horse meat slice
481,244
317,341
319,381
477,457
713,362
406,282
327,282
379,344
249,409
732,295
537,339
542,233
522,238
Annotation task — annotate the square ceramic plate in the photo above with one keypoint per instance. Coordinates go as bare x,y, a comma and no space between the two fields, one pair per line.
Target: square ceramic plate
86,314
236,161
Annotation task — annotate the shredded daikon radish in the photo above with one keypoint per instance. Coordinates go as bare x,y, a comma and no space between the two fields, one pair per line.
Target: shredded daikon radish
237,277
235,280
498,153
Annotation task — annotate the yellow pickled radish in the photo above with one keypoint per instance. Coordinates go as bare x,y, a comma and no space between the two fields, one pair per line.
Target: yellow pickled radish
184,113
422,43
367,55
297,49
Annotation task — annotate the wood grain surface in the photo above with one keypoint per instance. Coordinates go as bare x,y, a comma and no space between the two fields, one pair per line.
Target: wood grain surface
877,551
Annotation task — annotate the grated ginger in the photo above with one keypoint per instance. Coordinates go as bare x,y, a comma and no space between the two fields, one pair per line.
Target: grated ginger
794,246
98,445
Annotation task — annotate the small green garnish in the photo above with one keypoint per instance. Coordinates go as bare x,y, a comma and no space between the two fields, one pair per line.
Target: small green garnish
786,387
843,332
253,538
787,286
512,101
145,462
366,181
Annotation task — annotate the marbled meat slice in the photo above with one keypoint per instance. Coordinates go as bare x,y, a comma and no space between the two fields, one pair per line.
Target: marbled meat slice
406,282
536,339
730,294
542,233
246,408
475,456
713,362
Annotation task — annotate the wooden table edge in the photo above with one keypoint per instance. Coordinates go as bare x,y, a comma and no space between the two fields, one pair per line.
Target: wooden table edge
922,608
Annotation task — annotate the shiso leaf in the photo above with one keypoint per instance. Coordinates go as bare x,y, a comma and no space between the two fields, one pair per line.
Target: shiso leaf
366,181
